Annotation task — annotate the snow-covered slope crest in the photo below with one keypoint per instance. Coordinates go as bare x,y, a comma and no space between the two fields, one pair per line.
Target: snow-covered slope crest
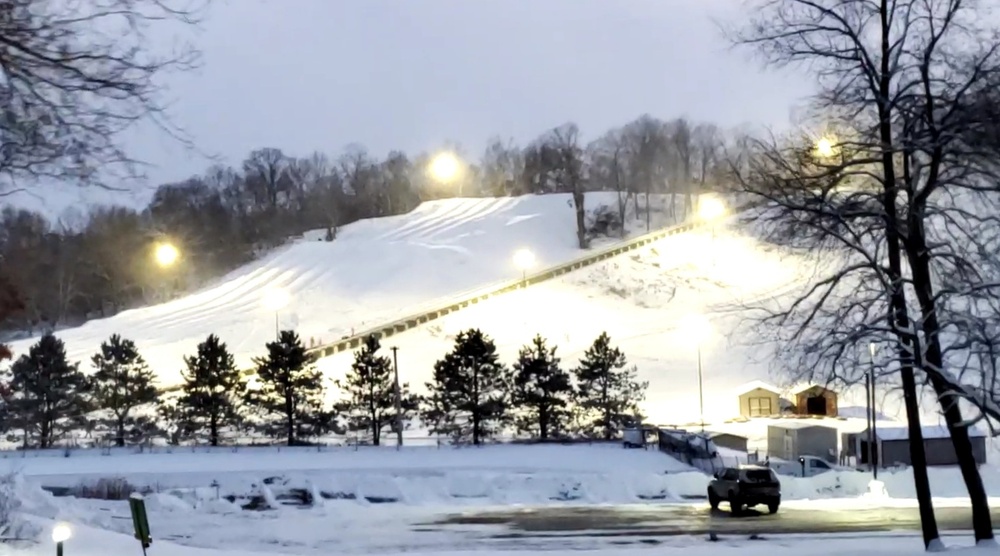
376,270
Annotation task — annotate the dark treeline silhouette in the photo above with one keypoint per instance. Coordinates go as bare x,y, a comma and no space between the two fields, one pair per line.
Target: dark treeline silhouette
48,401
97,261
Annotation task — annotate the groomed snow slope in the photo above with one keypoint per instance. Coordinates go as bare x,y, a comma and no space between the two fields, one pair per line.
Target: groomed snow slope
644,301
376,270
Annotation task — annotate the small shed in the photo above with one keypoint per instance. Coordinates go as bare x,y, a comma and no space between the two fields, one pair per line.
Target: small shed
729,440
813,399
792,439
893,445
759,399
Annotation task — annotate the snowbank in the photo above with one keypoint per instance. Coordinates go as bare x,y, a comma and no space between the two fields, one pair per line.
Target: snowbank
416,476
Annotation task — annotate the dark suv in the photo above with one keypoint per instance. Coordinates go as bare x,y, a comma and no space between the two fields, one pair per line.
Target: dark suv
745,486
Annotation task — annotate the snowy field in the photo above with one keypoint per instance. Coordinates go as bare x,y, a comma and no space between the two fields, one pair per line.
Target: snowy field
375,271
389,502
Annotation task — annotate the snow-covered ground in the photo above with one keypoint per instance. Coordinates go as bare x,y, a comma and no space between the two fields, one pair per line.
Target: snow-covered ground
212,527
92,541
375,271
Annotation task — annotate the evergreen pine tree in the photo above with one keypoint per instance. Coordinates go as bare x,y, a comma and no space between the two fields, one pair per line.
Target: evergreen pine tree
291,390
213,387
606,390
121,382
46,389
370,390
469,389
541,390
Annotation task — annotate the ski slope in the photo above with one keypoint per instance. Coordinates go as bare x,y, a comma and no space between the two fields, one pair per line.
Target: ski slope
375,271
650,302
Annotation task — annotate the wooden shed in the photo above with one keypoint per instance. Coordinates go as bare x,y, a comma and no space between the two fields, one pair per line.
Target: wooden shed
813,399
759,399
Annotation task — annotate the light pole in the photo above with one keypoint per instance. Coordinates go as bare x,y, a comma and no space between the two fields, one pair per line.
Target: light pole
698,329
60,534
275,300
524,260
398,396
873,451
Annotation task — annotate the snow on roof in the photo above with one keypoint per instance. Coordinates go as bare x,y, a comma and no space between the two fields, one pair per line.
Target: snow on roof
754,385
930,432
800,424
803,387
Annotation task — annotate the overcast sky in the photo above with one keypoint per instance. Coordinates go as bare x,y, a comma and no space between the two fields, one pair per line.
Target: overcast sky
306,75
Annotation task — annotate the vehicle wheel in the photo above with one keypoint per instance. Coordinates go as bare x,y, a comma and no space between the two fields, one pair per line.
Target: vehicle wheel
713,500
735,505
773,507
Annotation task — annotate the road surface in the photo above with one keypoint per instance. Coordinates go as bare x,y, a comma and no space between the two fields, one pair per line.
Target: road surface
667,520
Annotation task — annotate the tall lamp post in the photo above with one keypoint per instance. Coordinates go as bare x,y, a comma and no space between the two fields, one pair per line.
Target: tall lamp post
698,329
398,397
524,260
275,300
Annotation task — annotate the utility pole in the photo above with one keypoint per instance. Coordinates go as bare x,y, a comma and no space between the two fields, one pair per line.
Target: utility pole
701,391
398,395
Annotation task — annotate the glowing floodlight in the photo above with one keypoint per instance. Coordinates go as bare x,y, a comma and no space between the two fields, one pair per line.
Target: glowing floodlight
444,167
826,147
166,254
275,299
711,208
61,533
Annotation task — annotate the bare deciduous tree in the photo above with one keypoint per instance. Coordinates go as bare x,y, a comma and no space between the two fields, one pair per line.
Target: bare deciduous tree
75,77
898,196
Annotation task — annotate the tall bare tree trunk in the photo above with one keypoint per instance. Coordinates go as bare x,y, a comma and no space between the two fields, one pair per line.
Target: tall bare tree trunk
900,319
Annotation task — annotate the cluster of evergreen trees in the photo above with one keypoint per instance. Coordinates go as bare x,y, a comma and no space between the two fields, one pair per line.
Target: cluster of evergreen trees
44,396
472,395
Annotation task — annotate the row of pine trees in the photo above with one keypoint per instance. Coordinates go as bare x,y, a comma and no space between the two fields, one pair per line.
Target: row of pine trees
471,398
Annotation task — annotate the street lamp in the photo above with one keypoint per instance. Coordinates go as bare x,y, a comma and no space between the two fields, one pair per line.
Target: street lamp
275,300
166,254
697,328
60,534
826,147
524,259
397,398
711,208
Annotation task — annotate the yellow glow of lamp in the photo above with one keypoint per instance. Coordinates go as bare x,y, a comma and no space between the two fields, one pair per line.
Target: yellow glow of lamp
444,167
825,147
711,208
166,254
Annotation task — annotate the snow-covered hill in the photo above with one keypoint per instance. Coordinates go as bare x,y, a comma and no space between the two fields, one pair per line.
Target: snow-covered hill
652,303
376,270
